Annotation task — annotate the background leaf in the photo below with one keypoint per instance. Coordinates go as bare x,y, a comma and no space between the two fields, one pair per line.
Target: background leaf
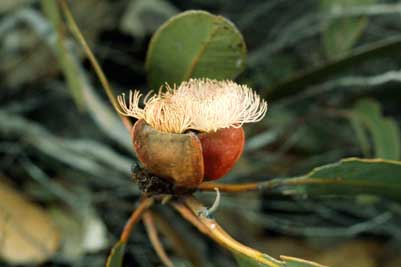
145,16
27,233
353,176
340,34
214,49
78,82
51,10
81,233
367,120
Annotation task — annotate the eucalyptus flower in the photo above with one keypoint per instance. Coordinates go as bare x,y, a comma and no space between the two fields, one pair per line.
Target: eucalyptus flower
193,132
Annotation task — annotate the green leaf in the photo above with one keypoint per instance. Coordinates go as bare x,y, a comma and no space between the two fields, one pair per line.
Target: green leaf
350,177
361,134
245,261
71,74
295,262
115,258
366,118
341,33
195,44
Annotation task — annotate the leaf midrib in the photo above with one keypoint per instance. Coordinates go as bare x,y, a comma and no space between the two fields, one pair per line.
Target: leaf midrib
345,181
201,52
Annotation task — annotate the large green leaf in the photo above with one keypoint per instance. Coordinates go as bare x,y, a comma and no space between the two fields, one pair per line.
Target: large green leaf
195,44
366,117
115,258
350,177
341,33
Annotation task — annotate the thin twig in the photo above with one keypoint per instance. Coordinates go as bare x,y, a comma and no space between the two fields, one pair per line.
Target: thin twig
246,187
135,216
267,185
154,238
51,9
179,239
95,64
233,188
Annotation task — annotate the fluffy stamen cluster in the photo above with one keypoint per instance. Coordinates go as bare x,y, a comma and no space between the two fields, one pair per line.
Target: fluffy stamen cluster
199,104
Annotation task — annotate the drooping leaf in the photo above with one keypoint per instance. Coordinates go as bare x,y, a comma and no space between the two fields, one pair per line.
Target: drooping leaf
195,44
115,259
341,33
366,119
66,62
350,177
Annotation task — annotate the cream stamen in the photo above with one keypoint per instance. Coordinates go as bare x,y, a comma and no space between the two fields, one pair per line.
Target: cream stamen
198,104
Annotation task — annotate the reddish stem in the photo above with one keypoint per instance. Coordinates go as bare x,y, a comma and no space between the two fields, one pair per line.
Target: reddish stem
154,238
135,216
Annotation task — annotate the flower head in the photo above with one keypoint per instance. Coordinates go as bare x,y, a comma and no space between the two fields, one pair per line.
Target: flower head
203,105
